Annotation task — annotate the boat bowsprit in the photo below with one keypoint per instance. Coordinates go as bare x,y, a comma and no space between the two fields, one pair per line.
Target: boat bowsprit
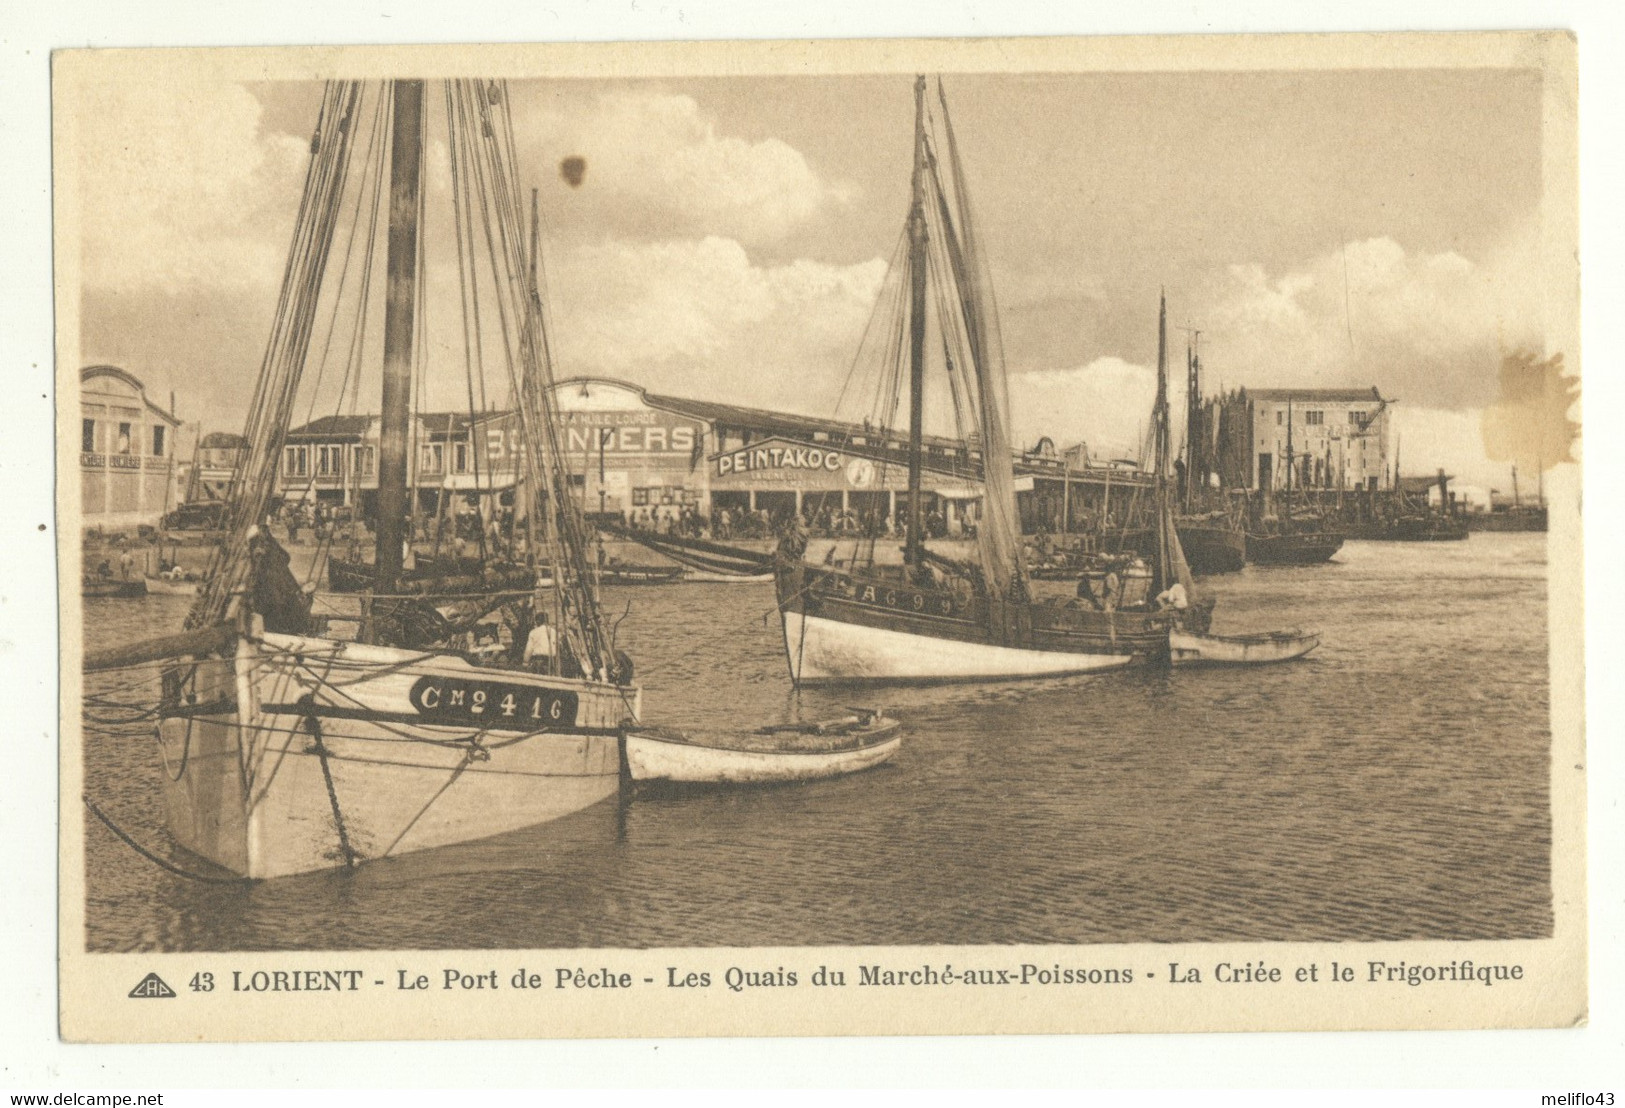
769,755
1187,648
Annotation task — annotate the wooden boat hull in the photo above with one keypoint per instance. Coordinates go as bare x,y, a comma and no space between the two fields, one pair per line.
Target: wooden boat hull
657,757
1186,648
1517,519
448,575
1415,529
167,586
1210,549
701,576
640,575
841,628
1294,548
303,754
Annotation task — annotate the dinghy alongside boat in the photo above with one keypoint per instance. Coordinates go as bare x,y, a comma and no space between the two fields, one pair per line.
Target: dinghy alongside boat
768,756
1186,648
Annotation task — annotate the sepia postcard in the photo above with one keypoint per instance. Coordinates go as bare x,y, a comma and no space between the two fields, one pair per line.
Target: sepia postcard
820,538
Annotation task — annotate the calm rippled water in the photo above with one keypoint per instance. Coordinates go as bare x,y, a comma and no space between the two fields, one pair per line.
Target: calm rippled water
1392,786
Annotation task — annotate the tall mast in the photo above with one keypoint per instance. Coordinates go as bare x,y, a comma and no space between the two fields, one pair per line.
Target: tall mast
1162,445
405,175
914,554
1194,441
1291,460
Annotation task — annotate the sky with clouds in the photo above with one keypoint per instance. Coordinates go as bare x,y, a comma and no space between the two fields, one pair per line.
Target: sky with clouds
730,235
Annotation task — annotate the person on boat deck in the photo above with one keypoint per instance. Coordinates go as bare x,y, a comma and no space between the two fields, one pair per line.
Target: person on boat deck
541,646
125,561
1173,598
1111,589
105,569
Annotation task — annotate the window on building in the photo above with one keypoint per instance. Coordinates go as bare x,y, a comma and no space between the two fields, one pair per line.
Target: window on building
1280,418
433,457
1355,418
296,461
364,460
459,457
329,460
124,438
1314,419
87,436
158,440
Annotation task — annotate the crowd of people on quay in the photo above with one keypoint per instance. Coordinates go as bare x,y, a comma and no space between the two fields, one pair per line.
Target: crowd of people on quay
829,521
306,522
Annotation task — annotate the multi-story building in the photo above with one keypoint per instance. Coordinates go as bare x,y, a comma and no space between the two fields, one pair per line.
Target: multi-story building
215,461
126,451
1338,438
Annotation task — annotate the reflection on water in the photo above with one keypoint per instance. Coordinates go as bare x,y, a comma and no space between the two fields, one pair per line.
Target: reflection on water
1392,786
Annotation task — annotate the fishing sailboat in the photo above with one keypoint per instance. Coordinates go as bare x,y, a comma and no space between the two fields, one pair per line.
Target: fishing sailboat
294,741
1190,640
935,617
1299,539
1214,540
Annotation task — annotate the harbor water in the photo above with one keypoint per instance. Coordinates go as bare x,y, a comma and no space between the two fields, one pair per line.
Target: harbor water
1394,785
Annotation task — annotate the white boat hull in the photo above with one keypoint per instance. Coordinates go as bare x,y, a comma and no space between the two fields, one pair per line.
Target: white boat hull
823,651
1185,648
652,759
254,790
166,586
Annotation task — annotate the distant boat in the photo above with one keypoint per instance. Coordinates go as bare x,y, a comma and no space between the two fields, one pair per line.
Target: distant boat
1429,527
771,755
623,573
1212,545
1512,519
1290,540
705,576
447,575
111,587
169,586
1308,546
706,560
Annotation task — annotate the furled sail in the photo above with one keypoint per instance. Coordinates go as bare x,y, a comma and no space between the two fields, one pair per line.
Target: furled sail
1171,564
998,543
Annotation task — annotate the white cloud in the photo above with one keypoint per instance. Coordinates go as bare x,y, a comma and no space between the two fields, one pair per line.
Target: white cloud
1430,439
175,183
1106,404
655,164
696,317
1428,328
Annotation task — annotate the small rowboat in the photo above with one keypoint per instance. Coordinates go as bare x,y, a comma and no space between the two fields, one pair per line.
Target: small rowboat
770,755
623,574
170,586
111,587
1186,648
